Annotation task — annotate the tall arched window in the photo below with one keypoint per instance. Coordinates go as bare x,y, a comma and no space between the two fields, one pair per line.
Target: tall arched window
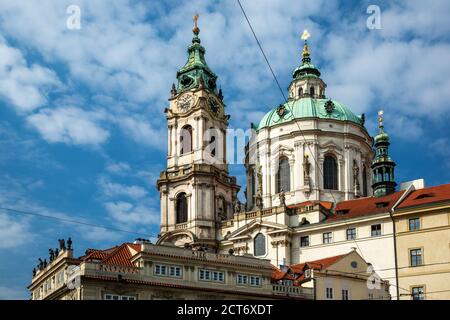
212,142
186,139
330,173
260,245
311,91
283,176
181,208
364,182
300,92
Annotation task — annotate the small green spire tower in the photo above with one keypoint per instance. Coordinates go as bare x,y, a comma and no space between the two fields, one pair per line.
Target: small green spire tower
382,165
196,73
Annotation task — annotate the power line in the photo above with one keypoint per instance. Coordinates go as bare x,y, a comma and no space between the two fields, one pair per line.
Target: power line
287,103
73,221
260,47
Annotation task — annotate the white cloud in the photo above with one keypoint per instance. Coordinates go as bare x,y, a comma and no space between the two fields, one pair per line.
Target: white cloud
25,87
112,190
69,125
118,167
143,132
12,231
131,214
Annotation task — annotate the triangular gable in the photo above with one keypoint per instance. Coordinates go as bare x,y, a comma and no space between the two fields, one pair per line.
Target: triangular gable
242,231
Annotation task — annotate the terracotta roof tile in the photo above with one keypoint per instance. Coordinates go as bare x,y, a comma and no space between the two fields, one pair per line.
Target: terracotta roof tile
326,204
316,264
118,255
365,206
426,196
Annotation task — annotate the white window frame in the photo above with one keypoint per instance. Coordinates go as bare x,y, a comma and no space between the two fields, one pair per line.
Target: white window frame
329,293
330,239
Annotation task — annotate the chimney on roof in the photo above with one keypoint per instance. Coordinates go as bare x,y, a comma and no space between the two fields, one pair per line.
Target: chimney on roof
418,184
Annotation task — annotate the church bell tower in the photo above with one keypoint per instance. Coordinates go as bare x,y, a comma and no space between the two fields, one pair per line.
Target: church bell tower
196,191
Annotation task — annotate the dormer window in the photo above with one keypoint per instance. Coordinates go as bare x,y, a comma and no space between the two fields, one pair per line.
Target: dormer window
424,195
382,204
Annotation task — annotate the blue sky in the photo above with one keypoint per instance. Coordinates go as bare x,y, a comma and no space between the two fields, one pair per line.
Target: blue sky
82,128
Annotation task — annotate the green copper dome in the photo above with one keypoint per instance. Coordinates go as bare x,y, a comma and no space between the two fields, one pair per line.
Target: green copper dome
309,108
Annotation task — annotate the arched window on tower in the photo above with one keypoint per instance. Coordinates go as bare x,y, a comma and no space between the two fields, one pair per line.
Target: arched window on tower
300,92
330,173
186,139
283,177
311,92
181,208
212,142
364,181
260,245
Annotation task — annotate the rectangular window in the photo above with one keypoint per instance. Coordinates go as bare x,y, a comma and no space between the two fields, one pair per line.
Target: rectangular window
329,293
414,224
255,281
327,237
415,257
418,293
304,241
175,271
375,230
344,294
242,279
117,297
351,234
207,275
160,270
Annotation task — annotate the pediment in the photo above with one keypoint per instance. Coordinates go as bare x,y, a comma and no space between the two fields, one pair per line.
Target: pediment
245,231
330,145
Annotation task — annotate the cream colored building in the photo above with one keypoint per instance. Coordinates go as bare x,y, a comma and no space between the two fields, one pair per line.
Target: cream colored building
341,277
422,223
143,271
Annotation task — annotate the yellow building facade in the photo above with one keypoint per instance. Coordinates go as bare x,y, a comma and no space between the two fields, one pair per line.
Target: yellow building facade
422,227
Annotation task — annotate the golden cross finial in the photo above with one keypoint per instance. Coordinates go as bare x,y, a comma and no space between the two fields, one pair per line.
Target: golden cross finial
306,35
196,29
380,119
195,18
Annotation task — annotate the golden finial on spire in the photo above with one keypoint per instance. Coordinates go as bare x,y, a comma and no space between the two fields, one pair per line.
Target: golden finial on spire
380,119
305,36
196,29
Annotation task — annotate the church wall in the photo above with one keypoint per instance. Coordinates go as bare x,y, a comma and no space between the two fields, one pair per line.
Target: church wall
333,138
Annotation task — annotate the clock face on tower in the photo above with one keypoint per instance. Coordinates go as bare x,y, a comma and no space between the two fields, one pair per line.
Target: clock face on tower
184,103
213,104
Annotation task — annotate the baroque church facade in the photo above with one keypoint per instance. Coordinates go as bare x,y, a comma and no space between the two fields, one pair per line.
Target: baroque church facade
304,157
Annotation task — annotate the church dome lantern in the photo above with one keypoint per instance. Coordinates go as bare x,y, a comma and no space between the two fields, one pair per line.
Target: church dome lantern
306,81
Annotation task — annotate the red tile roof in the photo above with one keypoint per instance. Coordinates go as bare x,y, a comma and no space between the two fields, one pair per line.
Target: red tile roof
365,206
426,196
326,204
297,270
117,256
316,264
